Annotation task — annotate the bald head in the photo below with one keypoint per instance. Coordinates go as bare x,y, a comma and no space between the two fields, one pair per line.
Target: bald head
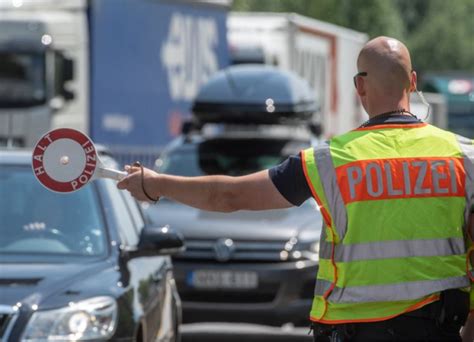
388,66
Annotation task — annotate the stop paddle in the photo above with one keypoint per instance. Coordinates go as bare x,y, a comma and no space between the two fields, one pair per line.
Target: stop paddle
64,160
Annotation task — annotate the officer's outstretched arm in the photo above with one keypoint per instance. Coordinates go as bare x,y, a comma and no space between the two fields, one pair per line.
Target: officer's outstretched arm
215,193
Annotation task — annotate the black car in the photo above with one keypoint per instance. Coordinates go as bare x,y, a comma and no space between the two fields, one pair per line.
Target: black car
82,266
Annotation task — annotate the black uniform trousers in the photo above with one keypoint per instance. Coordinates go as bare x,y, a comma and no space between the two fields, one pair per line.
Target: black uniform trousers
438,321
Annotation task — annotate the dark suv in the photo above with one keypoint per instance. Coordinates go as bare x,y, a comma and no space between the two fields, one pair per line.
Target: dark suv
245,266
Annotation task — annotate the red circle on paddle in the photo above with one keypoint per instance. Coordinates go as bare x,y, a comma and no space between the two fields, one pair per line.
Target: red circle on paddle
85,175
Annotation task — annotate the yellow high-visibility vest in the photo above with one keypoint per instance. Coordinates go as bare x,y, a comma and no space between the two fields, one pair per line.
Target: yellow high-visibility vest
395,201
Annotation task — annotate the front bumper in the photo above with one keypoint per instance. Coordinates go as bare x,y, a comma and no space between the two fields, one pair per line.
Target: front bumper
284,293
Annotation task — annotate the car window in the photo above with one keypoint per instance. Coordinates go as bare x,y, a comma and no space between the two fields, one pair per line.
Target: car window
233,157
126,226
134,211
35,220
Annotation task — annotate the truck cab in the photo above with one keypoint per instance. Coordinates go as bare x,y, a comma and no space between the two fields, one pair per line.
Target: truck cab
41,43
123,72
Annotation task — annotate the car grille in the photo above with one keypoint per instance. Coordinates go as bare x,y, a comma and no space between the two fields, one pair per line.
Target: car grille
242,251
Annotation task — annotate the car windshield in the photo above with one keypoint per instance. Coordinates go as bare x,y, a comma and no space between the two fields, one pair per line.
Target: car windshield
226,157
35,221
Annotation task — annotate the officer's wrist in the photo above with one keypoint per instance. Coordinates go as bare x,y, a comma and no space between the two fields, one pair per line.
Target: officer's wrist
155,188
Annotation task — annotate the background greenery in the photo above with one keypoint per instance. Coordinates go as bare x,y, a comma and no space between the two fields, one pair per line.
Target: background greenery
439,33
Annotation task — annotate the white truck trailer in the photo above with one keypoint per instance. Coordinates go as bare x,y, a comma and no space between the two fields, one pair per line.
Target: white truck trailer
324,54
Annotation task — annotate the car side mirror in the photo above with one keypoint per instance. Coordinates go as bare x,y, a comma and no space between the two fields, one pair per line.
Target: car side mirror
158,240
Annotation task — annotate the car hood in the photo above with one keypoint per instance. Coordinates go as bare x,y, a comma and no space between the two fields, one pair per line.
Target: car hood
271,225
34,284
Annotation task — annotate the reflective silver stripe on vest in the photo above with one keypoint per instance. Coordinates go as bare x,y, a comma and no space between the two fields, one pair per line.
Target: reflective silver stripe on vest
394,249
324,234
467,149
389,293
327,172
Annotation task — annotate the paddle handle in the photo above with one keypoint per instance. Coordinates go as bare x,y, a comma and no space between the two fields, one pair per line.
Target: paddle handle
104,172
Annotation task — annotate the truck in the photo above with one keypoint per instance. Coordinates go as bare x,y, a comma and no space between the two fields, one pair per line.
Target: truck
324,54
122,71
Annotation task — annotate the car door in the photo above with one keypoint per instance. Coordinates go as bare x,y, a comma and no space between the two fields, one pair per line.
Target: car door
147,274
150,272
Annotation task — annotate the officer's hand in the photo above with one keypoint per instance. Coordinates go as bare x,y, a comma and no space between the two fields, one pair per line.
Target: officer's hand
133,183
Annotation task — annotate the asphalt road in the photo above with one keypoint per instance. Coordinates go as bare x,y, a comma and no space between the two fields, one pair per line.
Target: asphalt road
238,332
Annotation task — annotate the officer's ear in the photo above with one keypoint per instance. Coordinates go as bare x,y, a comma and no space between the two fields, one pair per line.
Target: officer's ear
360,87
413,81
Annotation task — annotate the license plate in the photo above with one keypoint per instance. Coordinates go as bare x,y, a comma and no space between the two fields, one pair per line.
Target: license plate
207,279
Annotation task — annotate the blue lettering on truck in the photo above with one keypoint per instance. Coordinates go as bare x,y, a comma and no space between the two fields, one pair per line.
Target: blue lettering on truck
148,59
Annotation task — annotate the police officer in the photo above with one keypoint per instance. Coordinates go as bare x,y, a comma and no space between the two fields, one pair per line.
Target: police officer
395,195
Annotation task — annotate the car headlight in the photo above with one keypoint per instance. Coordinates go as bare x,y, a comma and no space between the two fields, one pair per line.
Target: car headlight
90,319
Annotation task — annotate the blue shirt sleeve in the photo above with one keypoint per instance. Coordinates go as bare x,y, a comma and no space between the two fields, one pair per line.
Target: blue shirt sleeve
289,179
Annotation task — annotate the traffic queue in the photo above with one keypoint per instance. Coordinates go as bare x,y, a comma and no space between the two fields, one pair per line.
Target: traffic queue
124,284
190,90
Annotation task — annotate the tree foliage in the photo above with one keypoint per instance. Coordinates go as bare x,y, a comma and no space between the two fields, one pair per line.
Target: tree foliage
444,38
439,33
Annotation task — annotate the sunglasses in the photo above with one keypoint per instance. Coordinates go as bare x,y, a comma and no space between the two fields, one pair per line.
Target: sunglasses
359,74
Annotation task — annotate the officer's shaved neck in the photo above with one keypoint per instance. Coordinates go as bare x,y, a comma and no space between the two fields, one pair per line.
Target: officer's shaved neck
389,73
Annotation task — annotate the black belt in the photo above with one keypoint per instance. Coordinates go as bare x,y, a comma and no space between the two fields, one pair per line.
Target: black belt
429,311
